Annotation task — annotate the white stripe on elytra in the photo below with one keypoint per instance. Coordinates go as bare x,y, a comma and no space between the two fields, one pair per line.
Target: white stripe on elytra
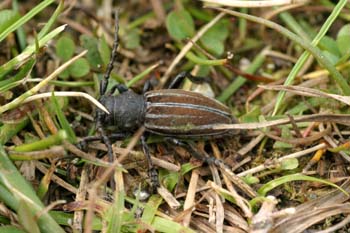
154,116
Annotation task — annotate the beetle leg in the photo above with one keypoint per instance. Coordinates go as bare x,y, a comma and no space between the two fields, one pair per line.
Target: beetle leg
194,152
180,77
177,80
219,164
198,79
120,87
191,148
105,139
108,143
152,172
114,136
146,87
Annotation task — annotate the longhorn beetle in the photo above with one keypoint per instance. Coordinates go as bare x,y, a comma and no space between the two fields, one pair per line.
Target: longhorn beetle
173,113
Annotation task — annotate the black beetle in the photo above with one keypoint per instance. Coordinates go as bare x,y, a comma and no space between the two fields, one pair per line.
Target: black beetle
169,112
173,113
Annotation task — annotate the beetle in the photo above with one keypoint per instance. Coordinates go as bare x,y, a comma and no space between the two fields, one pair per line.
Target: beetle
173,113
168,112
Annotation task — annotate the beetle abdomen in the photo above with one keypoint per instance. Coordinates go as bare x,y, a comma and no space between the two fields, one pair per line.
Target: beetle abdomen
176,112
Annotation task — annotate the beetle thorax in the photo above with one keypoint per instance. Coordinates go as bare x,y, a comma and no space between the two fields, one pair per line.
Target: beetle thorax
127,111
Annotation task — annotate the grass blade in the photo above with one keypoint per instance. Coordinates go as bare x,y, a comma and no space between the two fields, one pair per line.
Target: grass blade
14,188
63,120
316,52
14,103
25,18
293,177
303,58
21,58
52,20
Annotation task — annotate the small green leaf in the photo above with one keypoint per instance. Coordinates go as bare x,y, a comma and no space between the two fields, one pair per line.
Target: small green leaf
65,48
104,50
64,74
7,18
132,39
198,13
169,179
285,134
187,167
252,115
79,68
249,179
213,40
343,39
331,57
93,55
329,44
289,164
180,24
213,45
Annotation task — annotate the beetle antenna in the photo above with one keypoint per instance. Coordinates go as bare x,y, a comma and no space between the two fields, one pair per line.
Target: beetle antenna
104,81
